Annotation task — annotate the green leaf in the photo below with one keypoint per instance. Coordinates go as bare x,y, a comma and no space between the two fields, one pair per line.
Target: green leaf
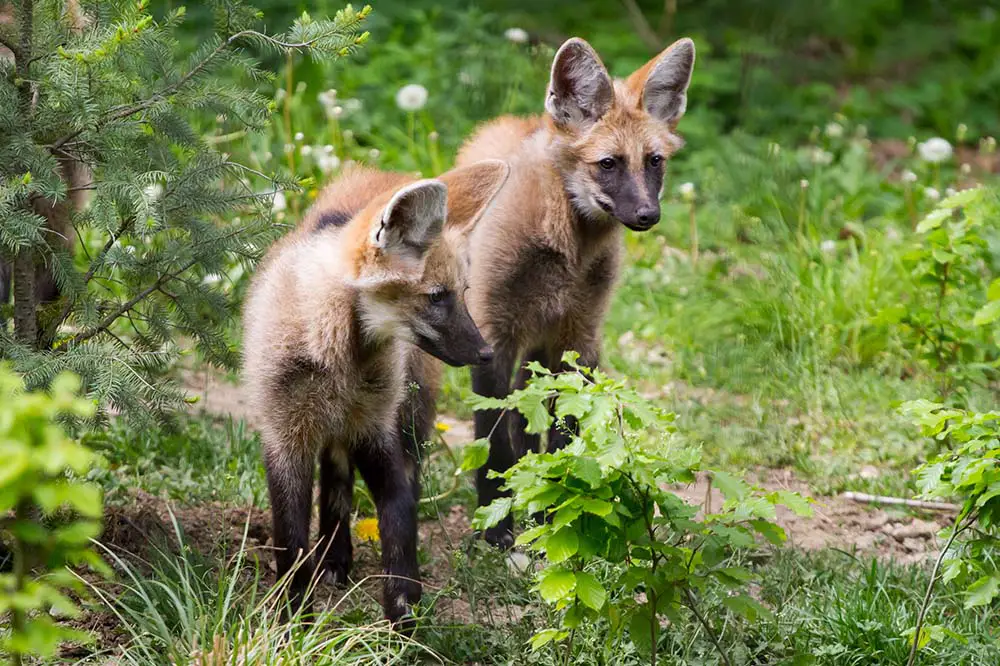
531,534
983,591
556,584
572,404
488,516
587,470
799,505
987,314
474,455
934,220
952,569
962,198
546,636
535,408
731,487
773,533
590,591
993,293
640,630
597,507
746,606
562,545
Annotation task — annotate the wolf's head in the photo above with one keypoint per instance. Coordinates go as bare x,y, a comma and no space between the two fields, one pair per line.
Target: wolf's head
615,136
415,266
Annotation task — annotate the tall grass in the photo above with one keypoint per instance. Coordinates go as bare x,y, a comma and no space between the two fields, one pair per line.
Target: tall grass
183,609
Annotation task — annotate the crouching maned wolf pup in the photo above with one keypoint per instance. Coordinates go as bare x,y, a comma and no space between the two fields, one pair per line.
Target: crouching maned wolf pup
334,326
545,258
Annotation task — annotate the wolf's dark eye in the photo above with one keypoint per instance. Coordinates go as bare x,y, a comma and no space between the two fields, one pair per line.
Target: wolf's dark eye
608,163
438,296
655,160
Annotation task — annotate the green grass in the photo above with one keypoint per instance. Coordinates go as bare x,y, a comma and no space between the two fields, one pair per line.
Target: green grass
198,459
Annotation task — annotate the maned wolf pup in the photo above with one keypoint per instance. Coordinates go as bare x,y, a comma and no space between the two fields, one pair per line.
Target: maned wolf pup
544,260
334,326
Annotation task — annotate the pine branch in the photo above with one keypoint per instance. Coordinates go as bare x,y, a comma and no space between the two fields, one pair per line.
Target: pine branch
129,304
127,111
88,276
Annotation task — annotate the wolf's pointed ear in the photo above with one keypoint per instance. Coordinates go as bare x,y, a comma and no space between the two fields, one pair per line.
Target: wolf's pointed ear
580,90
661,84
412,220
471,190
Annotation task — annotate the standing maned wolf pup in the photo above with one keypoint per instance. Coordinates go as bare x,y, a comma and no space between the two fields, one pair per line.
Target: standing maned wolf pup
545,259
334,326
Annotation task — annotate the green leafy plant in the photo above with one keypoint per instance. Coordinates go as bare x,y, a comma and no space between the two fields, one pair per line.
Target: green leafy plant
969,472
39,480
945,317
619,545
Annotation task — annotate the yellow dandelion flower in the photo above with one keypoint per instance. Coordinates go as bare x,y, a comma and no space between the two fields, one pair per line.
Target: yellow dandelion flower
442,427
366,529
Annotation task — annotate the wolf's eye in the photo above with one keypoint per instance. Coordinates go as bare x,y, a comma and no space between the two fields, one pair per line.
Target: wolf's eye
608,163
655,160
438,296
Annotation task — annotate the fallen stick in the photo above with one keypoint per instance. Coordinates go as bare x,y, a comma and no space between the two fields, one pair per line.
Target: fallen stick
899,501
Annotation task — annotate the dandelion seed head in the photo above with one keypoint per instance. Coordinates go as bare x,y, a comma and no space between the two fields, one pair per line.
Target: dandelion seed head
935,150
516,35
411,97
279,203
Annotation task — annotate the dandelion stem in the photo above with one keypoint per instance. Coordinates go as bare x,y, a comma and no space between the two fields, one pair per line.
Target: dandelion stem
693,223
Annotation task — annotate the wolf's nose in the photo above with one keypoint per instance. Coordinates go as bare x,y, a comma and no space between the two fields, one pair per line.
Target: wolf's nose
485,355
648,216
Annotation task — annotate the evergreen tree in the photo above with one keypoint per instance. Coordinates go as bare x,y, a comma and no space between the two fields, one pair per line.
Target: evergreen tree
96,99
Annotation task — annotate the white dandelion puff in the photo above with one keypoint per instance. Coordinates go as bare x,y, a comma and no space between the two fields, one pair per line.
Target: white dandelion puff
687,191
934,150
828,246
909,177
299,136
306,150
821,157
328,163
516,35
804,184
932,193
834,130
374,153
411,97
279,203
